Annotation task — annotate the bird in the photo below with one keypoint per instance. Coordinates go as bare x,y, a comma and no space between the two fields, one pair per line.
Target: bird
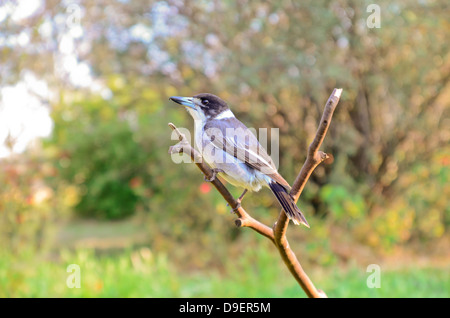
234,153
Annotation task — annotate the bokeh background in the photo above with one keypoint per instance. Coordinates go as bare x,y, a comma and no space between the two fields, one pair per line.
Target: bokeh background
85,177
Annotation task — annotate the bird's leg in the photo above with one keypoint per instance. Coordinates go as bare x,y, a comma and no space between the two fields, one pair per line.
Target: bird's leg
215,171
239,200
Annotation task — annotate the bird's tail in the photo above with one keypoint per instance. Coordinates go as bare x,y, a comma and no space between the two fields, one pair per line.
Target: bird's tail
287,202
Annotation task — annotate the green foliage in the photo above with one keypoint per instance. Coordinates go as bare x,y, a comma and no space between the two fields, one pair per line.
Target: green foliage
342,203
99,153
105,162
141,273
428,193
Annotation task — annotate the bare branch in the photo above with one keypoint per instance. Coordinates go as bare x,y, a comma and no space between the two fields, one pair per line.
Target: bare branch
313,159
277,234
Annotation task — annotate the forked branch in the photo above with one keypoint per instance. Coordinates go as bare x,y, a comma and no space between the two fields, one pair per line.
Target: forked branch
277,234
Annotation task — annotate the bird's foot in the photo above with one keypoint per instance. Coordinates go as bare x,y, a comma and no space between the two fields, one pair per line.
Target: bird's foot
215,171
236,208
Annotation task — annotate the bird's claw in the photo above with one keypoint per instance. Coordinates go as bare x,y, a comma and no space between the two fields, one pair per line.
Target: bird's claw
236,208
215,171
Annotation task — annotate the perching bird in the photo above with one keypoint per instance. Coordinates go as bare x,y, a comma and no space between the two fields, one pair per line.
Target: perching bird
234,153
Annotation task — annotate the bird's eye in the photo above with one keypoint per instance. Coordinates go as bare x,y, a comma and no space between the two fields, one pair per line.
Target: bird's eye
205,102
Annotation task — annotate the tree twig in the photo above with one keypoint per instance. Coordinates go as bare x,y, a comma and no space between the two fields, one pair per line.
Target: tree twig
277,234
313,159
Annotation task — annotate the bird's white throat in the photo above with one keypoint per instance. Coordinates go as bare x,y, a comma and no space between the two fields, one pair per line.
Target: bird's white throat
200,121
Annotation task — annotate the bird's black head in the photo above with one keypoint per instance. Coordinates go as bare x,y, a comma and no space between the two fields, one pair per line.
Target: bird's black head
208,104
211,105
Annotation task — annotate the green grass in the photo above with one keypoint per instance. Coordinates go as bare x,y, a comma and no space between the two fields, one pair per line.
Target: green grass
408,282
140,273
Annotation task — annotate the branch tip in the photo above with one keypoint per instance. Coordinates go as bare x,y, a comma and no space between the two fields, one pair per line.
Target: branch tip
337,92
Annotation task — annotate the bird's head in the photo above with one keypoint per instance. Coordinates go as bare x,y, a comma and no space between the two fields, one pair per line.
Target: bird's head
203,105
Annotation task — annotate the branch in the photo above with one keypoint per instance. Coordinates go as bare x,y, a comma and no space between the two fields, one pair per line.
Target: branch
313,159
277,234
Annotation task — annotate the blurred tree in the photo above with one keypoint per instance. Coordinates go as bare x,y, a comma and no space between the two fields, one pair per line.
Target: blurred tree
100,155
111,66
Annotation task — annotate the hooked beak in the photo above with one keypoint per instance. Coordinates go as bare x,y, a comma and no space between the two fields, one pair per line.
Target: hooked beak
185,101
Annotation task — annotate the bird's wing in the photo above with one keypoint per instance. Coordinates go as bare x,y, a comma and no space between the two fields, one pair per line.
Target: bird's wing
237,140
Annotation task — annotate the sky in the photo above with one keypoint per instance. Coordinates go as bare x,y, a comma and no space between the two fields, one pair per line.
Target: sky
24,107
23,115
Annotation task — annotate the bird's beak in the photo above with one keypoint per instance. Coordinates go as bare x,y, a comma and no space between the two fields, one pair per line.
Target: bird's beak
185,101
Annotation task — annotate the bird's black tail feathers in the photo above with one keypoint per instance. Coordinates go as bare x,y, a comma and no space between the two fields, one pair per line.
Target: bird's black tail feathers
288,204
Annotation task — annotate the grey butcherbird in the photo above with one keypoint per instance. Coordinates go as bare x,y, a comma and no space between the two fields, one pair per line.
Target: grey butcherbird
234,153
